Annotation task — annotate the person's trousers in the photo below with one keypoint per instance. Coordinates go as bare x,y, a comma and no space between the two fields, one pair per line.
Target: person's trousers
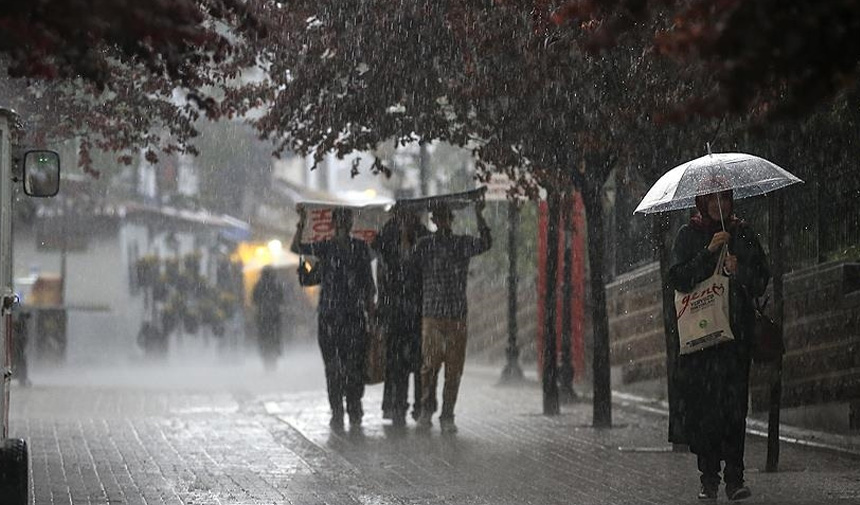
731,450
403,357
443,341
343,343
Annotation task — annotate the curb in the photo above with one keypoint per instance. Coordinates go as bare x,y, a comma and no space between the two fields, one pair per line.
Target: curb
813,439
842,444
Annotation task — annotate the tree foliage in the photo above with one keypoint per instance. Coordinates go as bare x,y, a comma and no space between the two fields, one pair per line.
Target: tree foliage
515,80
779,59
122,75
87,39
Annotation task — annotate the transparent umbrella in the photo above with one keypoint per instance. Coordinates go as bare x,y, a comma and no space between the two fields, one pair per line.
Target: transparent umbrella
745,174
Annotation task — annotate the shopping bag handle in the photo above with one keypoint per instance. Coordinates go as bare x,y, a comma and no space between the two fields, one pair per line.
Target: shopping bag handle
721,261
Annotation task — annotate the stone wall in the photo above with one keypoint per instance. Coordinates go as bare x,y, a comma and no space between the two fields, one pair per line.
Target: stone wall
637,341
822,334
488,318
822,337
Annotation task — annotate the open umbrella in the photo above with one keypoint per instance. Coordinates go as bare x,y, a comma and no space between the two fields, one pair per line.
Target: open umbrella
745,174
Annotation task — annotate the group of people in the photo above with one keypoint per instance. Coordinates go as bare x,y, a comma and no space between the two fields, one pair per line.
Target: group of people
420,306
422,311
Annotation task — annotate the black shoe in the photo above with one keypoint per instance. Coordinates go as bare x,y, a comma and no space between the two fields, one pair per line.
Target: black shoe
446,424
336,422
355,420
737,492
424,423
708,492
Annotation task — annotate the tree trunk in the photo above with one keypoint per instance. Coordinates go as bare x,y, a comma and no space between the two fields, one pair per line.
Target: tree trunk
566,371
777,231
602,414
550,367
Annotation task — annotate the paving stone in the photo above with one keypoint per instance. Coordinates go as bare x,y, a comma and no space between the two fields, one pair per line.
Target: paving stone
212,445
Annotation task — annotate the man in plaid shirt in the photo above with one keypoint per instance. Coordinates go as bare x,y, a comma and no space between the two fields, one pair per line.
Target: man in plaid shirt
444,259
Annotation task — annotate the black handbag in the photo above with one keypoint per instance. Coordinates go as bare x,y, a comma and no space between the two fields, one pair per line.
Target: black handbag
768,345
309,274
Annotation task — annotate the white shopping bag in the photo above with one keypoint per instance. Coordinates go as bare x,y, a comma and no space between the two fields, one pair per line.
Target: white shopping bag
703,313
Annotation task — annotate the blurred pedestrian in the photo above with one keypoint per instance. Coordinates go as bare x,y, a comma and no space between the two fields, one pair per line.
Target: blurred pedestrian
444,258
269,297
399,276
713,383
346,302
20,337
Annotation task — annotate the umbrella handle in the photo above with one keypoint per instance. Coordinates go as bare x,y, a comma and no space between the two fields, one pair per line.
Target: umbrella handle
720,206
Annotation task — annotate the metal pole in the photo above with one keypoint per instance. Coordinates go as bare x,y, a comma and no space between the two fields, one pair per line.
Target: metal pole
565,375
512,371
7,296
424,169
6,119
662,225
777,225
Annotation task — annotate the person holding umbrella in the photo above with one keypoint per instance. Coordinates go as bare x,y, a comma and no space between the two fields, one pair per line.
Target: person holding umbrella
714,382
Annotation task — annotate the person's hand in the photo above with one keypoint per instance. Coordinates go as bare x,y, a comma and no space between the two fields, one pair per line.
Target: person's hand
480,203
719,239
731,264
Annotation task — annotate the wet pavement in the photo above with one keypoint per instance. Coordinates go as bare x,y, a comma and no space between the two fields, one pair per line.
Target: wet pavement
228,433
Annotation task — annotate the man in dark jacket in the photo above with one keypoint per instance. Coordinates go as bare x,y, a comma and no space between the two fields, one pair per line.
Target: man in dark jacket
269,298
346,299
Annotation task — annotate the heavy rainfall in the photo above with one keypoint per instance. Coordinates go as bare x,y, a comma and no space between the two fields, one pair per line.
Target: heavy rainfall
416,252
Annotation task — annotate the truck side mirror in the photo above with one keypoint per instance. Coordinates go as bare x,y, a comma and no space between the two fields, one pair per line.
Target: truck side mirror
41,173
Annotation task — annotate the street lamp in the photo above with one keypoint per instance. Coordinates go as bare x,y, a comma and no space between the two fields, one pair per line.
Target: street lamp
512,371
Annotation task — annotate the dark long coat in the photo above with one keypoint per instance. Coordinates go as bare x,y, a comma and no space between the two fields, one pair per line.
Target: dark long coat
269,297
713,383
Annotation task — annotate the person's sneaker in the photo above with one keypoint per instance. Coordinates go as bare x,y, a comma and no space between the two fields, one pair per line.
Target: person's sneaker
336,422
735,493
424,423
355,420
398,420
447,426
708,493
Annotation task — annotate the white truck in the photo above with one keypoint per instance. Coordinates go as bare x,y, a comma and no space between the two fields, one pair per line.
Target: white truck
39,170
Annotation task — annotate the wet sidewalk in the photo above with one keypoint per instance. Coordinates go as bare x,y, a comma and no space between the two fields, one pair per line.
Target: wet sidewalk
266,441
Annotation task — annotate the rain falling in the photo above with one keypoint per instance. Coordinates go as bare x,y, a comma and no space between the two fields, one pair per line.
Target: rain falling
415,252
